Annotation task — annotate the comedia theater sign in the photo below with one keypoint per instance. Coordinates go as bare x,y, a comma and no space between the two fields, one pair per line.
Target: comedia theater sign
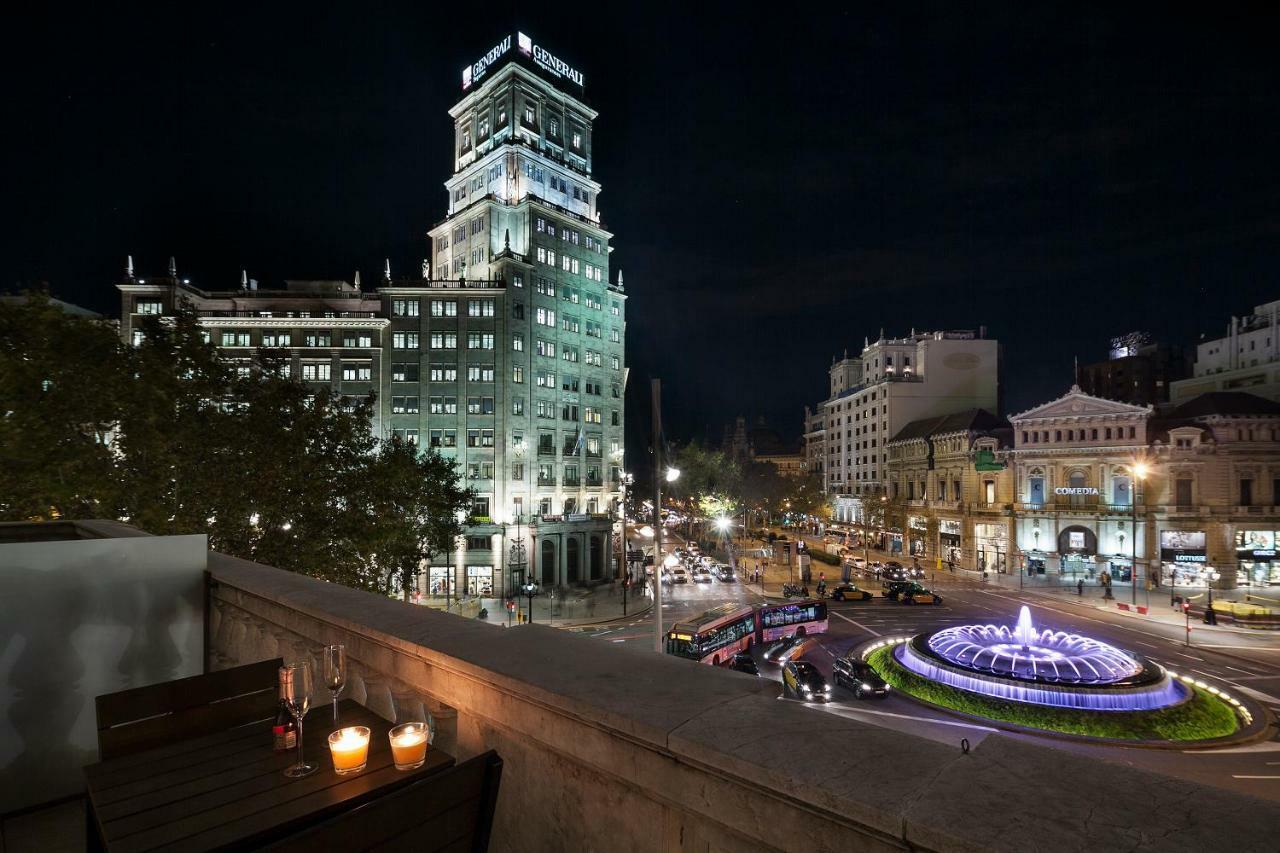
543,58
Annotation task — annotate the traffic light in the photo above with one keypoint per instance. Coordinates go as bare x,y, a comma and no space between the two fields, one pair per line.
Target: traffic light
1186,607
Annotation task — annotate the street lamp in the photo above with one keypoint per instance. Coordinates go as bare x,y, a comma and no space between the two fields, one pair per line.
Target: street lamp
530,589
673,474
1138,470
1211,576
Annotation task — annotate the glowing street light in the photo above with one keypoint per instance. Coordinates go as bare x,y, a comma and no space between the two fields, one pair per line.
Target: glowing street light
673,474
722,524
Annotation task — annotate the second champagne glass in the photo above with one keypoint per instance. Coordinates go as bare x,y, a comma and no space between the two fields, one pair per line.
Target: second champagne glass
335,674
298,688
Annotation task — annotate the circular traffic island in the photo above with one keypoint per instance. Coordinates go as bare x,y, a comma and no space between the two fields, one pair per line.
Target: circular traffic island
1055,681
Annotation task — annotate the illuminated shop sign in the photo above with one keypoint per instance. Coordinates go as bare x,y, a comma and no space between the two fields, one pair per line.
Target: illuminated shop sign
548,61
473,72
1182,546
1075,490
1256,544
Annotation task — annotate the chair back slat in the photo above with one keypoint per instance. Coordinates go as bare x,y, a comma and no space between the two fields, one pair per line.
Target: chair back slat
144,717
450,811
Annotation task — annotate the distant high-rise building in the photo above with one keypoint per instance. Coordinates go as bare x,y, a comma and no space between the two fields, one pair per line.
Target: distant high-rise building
893,382
1138,370
506,355
1246,358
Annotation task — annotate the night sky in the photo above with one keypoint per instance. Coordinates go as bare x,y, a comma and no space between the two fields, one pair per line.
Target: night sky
780,186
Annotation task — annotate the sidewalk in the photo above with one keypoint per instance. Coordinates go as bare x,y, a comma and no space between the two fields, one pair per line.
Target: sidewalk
564,608
1152,604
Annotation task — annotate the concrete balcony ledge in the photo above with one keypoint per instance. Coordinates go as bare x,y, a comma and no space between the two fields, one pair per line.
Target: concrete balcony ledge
613,747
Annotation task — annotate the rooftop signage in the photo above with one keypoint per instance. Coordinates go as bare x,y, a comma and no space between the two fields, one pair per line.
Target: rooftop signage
540,56
473,72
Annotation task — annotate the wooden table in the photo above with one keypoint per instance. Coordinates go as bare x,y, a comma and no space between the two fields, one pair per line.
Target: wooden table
228,791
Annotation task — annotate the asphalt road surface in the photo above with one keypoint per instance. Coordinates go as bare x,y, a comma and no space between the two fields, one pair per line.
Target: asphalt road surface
1245,664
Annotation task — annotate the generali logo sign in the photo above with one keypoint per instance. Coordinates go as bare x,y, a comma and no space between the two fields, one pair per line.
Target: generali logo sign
473,72
541,57
548,61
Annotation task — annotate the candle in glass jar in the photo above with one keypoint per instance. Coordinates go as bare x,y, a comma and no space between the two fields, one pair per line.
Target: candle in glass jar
350,749
409,745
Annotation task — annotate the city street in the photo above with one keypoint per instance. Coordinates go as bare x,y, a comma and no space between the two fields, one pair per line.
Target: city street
1247,663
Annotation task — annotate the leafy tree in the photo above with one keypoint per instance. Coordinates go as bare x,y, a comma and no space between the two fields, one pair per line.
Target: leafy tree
60,384
408,503
174,438
709,482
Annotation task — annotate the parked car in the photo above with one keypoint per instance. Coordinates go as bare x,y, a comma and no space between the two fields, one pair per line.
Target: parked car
849,592
917,594
858,676
804,681
744,662
779,650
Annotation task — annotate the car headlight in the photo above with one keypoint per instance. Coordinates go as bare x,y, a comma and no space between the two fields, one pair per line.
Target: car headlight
805,688
826,688
866,686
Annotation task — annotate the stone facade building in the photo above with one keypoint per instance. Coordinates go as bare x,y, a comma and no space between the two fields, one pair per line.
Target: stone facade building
1206,497
955,488
506,355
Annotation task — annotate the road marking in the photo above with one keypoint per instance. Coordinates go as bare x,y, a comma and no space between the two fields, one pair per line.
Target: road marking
1256,677
1234,776
1258,694
1207,674
1250,648
957,724
1148,645
1245,671
1193,657
617,641
870,631
1268,746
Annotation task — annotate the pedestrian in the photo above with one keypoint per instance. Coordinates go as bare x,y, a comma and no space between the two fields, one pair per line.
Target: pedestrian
1080,587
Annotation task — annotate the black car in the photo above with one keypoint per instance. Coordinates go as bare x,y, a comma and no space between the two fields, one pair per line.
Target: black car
859,677
781,648
744,662
895,588
802,680
725,574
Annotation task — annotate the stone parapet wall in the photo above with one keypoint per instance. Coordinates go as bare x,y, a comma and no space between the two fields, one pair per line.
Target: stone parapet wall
612,748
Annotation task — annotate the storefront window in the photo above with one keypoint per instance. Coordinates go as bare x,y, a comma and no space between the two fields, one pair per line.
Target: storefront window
1256,553
480,581
440,582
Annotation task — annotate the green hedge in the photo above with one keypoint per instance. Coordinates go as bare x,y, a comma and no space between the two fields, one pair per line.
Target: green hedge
1205,716
824,557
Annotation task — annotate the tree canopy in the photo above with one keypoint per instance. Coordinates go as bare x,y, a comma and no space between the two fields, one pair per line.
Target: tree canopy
174,438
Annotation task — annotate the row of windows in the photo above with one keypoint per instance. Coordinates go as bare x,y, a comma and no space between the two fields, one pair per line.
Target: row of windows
1092,434
271,338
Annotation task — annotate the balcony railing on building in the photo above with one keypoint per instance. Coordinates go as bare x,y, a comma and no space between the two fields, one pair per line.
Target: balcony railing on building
546,481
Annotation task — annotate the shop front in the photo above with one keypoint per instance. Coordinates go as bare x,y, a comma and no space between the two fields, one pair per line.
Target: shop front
440,582
1256,557
1182,557
480,581
991,547
1077,547
918,526
949,540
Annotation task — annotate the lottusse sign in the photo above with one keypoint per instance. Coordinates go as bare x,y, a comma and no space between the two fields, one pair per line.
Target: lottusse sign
1075,490
541,57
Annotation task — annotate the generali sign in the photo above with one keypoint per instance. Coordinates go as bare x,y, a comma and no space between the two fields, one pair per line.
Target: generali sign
543,58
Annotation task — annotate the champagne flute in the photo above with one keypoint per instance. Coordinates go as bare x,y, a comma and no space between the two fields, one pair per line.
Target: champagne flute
298,688
335,674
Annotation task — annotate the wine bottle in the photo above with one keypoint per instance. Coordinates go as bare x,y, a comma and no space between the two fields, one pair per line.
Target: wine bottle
285,729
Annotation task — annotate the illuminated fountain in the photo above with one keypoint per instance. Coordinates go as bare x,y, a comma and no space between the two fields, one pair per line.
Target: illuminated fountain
1044,667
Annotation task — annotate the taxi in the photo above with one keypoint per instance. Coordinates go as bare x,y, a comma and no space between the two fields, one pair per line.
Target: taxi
919,595
802,680
849,592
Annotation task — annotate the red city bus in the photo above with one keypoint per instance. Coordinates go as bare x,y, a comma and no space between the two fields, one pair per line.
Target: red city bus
775,621
714,636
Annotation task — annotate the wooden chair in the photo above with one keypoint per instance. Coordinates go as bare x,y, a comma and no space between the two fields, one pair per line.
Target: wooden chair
146,717
450,812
